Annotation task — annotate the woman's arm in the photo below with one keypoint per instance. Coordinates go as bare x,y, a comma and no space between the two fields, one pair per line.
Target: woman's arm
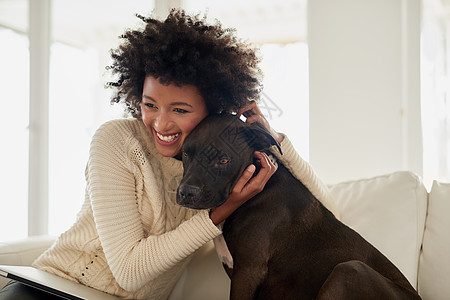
303,171
133,258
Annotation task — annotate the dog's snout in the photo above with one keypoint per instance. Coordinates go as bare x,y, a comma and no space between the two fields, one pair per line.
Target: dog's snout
188,193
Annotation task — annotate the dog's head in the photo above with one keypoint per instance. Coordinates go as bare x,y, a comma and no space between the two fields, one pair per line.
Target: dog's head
215,154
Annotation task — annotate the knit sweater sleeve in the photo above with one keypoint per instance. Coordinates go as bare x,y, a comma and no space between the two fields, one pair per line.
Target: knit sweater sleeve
303,171
133,258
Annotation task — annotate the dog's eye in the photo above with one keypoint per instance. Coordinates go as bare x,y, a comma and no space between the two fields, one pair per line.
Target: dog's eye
223,161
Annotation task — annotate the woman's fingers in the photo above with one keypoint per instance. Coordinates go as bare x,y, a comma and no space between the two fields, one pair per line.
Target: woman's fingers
249,110
267,170
246,188
245,177
249,187
254,114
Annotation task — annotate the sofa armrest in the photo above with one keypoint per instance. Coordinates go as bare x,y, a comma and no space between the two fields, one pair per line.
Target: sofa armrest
23,252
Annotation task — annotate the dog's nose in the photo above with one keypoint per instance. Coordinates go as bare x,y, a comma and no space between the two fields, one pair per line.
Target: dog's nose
187,193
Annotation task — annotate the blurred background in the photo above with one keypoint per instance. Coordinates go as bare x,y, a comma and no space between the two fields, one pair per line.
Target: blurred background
360,87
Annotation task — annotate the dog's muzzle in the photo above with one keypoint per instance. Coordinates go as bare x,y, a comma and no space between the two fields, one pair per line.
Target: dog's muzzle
188,195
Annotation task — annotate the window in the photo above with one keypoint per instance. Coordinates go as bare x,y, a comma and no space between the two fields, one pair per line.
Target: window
71,124
14,78
435,93
285,97
14,128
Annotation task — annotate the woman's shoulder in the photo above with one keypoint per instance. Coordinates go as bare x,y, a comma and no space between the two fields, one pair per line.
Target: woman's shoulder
118,132
119,128
124,135
120,125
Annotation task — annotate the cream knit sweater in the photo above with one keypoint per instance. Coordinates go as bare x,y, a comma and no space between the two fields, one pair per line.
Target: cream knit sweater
130,238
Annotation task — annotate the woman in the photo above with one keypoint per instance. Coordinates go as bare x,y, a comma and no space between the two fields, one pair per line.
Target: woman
130,238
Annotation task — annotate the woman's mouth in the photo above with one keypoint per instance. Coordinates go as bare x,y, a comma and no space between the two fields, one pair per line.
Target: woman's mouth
167,138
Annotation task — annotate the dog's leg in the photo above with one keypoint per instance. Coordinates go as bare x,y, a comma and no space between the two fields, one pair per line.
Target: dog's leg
356,280
245,282
222,251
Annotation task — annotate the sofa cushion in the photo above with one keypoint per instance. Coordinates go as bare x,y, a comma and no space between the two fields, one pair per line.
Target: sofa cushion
389,211
434,265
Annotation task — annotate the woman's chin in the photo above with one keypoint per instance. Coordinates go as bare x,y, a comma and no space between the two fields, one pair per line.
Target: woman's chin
168,151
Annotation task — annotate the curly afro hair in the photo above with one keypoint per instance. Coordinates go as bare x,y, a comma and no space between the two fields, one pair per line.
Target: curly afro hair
185,50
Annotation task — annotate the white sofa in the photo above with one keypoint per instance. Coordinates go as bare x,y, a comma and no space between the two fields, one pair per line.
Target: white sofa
393,211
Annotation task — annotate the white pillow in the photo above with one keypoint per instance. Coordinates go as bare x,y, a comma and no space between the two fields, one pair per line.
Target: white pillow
389,211
434,267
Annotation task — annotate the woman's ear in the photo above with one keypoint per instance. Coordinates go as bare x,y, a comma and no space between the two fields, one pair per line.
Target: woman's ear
260,138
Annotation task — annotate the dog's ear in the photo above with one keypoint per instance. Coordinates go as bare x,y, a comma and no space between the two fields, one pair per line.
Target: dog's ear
260,138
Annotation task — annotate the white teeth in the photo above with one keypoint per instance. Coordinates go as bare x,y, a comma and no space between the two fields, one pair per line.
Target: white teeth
167,138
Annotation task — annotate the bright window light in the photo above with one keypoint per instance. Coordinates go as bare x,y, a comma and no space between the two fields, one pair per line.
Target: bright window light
14,77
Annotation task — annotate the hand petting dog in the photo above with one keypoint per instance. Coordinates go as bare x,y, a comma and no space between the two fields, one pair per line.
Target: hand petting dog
247,186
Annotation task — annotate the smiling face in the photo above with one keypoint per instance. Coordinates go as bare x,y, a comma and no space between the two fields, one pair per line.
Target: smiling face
170,113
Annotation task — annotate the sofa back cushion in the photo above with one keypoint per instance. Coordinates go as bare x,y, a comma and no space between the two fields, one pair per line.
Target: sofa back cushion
389,211
434,264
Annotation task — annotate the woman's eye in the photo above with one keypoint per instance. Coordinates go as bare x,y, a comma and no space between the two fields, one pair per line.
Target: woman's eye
180,110
149,105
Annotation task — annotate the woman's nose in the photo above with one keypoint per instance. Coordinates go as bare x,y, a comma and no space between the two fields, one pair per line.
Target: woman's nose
162,122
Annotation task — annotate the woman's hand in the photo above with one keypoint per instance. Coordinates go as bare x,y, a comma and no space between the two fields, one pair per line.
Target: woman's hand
246,188
254,114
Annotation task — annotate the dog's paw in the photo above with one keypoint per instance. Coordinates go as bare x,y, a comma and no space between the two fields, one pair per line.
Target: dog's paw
223,252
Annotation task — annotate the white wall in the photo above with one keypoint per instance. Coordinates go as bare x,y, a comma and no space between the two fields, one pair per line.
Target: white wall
364,87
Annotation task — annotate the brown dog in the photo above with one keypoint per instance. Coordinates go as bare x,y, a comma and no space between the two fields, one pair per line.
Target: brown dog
285,244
